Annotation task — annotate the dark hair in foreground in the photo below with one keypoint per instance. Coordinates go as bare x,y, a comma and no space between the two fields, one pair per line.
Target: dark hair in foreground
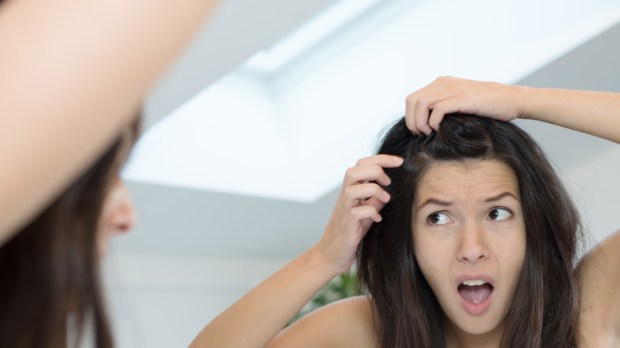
49,271
545,309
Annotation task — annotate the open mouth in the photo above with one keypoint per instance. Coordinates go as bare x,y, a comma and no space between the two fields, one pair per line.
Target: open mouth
475,291
475,295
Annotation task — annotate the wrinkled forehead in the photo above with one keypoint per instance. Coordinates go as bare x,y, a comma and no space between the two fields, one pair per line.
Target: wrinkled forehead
465,179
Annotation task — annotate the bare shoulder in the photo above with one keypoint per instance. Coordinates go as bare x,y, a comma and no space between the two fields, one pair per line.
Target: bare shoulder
345,323
599,276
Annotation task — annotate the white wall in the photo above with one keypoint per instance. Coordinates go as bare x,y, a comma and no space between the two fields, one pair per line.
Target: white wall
165,300
595,188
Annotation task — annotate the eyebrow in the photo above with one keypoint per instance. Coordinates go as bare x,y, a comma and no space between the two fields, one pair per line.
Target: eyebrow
447,203
502,195
434,201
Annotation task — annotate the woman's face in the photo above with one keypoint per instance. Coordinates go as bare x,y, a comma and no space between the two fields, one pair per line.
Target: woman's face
469,240
117,216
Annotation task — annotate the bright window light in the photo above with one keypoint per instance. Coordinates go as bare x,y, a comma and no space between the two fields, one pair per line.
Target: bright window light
243,136
313,32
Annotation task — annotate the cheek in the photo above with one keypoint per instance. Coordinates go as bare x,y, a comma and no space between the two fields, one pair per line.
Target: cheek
431,257
510,253
514,252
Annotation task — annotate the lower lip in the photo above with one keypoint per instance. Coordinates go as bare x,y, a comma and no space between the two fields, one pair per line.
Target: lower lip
476,308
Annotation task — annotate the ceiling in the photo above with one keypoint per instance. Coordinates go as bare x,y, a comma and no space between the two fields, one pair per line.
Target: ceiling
228,223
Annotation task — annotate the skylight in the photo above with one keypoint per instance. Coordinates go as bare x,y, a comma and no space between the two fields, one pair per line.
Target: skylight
251,135
318,28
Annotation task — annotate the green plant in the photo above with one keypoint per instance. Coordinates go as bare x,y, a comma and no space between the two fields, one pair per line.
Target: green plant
343,286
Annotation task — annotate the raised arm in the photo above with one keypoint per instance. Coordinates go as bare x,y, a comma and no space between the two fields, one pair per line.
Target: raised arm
73,73
595,113
259,316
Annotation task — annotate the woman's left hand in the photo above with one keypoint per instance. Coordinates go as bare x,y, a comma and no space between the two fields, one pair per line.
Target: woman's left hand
426,107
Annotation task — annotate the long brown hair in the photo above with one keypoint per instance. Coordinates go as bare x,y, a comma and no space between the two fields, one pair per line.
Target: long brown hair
49,271
545,307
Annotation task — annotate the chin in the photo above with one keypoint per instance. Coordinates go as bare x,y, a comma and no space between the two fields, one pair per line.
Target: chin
476,326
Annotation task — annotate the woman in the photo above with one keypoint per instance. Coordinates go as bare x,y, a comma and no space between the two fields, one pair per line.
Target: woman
50,269
470,242
73,73
477,228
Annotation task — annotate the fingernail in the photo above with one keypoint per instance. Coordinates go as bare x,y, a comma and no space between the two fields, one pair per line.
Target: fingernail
398,160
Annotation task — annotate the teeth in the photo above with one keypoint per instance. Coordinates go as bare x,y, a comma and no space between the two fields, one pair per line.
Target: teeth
474,282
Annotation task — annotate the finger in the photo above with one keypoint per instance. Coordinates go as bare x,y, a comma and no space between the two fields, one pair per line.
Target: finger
365,173
354,195
420,103
421,115
375,203
381,160
447,106
365,212
410,103
435,119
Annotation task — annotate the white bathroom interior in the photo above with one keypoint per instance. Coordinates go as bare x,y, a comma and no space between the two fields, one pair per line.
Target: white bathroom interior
248,135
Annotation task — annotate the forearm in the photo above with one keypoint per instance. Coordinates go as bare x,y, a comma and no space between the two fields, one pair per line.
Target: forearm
256,318
595,113
73,73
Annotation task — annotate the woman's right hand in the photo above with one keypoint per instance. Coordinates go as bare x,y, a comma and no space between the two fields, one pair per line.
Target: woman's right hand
361,199
263,312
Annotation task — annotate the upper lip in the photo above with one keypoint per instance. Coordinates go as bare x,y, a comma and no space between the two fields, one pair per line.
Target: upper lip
483,277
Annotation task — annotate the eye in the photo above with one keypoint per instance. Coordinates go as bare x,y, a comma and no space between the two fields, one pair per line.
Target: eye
438,218
499,214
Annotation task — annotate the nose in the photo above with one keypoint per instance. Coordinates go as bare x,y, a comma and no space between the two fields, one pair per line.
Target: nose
121,213
473,247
